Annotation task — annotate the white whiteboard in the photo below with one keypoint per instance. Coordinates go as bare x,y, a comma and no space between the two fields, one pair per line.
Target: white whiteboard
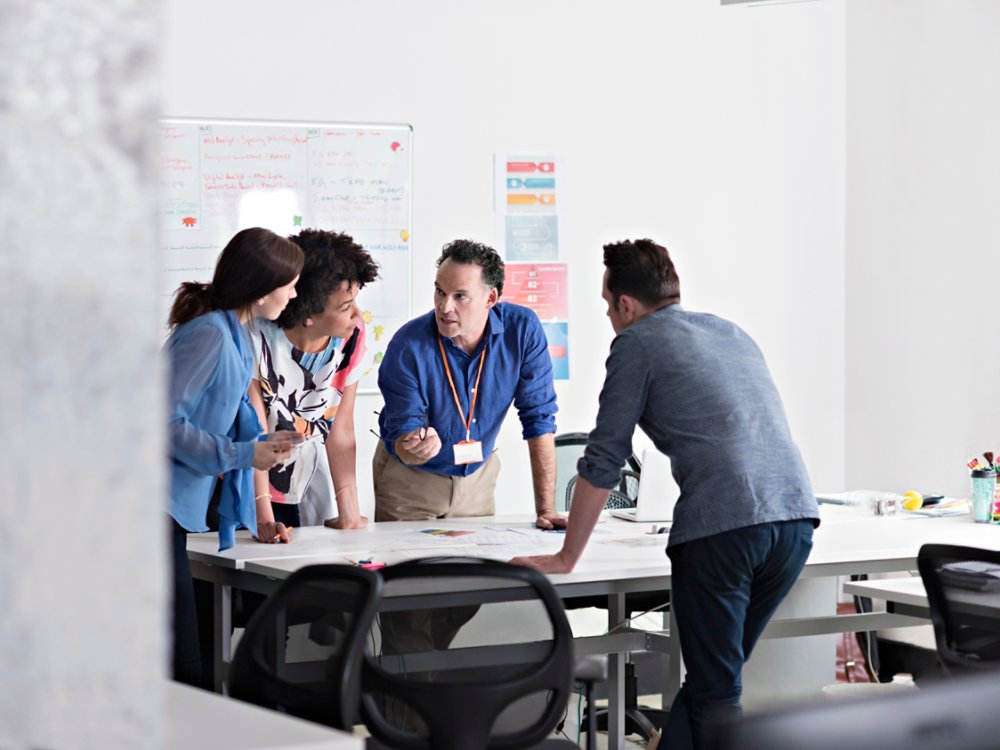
221,176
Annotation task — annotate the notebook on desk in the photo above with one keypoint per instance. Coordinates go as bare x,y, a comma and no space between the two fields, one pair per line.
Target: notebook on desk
658,492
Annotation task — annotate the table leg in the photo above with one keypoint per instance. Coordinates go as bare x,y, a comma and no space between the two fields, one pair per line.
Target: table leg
222,596
675,666
616,678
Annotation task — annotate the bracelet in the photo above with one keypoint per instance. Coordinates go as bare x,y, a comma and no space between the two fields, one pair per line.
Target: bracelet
345,487
261,497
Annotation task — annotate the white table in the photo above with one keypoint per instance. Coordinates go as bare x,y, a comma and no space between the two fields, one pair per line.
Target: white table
199,720
607,568
908,592
845,543
907,596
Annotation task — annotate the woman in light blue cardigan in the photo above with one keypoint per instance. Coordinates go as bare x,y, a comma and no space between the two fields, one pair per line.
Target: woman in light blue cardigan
213,429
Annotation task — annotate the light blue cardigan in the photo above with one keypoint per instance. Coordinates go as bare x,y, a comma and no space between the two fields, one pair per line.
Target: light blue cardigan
212,426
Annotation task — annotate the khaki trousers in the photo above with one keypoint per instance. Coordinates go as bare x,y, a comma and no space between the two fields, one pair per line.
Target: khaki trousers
403,493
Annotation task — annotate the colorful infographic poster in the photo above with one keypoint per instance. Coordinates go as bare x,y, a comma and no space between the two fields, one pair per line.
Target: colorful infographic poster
558,336
529,211
540,286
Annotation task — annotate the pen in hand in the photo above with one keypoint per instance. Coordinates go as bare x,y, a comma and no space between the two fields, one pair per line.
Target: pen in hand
277,537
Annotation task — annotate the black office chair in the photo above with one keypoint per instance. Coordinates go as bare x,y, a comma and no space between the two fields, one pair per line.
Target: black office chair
502,684
963,591
945,715
640,720
623,496
327,611
569,448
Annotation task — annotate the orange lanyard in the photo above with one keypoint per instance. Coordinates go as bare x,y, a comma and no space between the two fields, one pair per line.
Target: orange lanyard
454,392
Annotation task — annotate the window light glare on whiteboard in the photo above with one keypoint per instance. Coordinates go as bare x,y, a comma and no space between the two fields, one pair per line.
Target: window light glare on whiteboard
267,209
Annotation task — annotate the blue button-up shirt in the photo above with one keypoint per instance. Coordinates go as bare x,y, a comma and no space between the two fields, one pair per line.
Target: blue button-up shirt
517,370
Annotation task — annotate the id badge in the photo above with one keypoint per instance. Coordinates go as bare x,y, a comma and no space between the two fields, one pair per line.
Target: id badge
468,452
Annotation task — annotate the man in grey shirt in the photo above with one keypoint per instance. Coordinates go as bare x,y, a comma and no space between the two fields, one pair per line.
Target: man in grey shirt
698,386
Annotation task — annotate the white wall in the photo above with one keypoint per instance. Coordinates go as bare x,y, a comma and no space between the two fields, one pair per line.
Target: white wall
923,190
83,602
718,132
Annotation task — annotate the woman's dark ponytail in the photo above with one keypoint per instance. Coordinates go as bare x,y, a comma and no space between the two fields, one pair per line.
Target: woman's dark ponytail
254,263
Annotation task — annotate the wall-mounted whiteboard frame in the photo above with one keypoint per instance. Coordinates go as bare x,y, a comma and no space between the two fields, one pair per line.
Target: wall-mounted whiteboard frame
219,176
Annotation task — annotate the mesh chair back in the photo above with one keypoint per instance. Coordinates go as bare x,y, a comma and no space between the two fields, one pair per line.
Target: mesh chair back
963,591
626,495
569,448
301,651
489,666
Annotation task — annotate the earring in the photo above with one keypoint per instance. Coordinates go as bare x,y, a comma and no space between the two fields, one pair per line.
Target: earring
309,322
260,303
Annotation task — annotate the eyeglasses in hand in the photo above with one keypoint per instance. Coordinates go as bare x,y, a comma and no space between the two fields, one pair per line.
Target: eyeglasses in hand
421,431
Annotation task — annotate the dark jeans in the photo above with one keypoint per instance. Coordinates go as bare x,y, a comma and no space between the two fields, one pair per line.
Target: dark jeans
186,653
724,590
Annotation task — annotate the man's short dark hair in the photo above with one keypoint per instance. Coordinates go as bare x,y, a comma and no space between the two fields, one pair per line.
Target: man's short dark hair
642,270
467,251
332,258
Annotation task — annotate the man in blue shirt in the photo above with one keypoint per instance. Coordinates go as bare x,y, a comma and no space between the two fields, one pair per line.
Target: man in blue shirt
448,378
699,387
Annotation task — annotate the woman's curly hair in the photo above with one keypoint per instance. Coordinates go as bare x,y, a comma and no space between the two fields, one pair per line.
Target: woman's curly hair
331,259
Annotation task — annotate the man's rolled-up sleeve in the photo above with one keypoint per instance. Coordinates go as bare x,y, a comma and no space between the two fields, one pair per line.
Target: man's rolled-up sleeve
622,400
535,398
405,402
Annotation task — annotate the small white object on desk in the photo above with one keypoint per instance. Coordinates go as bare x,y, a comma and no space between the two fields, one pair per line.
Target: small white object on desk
876,503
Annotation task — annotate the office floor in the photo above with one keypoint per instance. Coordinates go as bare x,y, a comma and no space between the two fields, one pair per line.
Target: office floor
632,741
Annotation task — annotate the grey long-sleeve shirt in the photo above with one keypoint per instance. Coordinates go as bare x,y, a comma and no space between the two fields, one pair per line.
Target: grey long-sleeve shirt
698,386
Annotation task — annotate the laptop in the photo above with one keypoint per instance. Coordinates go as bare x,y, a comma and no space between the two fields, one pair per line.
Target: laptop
658,492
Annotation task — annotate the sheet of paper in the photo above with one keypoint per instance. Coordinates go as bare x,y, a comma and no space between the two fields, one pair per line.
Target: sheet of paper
945,508
430,538
503,537
651,540
501,552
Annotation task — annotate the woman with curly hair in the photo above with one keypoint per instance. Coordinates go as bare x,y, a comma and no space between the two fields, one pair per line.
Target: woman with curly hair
306,370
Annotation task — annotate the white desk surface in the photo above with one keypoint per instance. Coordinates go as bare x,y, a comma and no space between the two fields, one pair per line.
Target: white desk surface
199,720
618,549
845,536
910,593
909,590
626,548
845,542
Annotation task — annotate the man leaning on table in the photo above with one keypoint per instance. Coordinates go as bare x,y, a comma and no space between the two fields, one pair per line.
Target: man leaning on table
448,379
699,387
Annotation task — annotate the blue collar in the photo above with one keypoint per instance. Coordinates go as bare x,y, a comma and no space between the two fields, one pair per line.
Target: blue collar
494,327
494,323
